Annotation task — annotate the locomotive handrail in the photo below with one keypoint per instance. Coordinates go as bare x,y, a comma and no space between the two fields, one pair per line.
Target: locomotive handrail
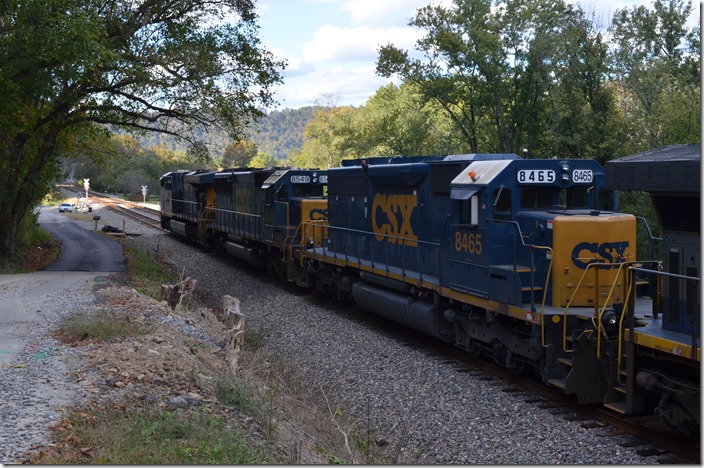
239,214
302,240
595,265
290,245
288,227
532,272
387,265
600,328
653,239
206,217
686,278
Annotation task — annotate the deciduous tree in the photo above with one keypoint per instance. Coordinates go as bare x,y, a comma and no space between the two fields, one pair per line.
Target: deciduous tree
69,65
239,154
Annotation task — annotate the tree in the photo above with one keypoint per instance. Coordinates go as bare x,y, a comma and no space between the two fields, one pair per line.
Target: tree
328,139
239,154
492,69
262,160
657,65
68,67
582,119
398,121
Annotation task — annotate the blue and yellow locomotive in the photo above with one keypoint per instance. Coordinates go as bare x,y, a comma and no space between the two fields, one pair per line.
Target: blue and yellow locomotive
522,260
483,251
251,214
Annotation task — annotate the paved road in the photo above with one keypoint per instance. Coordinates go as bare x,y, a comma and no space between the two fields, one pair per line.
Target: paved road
81,250
84,256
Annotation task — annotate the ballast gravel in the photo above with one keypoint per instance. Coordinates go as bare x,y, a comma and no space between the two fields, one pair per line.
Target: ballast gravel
415,404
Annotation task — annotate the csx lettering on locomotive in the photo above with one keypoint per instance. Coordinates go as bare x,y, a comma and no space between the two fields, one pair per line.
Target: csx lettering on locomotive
608,252
391,218
318,214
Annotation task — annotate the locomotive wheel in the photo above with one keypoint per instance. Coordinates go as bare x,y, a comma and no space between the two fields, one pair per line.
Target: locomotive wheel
518,368
474,349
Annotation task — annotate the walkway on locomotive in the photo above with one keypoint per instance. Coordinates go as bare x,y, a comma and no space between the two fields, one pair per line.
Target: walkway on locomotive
483,190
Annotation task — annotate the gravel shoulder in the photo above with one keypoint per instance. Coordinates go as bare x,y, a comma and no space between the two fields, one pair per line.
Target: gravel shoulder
404,404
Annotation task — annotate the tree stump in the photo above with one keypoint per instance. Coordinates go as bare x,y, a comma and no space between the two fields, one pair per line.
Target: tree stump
234,321
173,294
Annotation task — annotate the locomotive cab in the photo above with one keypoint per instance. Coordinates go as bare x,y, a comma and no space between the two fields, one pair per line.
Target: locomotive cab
534,226
293,197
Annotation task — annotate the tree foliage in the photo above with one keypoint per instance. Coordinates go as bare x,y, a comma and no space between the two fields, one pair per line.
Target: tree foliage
657,67
120,165
68,65
239,154
490,68
542,75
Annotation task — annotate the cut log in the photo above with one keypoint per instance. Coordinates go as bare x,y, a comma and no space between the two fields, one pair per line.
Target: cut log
234,321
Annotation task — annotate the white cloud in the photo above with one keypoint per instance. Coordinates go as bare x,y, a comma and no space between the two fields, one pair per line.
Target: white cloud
350,85
385,12
334,44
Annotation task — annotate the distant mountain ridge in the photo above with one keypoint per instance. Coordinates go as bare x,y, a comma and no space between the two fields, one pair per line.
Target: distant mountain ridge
277,134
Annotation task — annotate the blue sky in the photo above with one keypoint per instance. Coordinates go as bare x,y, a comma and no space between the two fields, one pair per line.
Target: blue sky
331,45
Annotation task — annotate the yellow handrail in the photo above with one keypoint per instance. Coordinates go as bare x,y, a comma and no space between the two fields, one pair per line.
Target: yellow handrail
596,303
545,296
626,300
600,329
203,219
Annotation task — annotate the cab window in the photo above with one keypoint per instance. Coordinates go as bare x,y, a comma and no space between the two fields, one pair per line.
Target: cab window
573,197
536,198
502,203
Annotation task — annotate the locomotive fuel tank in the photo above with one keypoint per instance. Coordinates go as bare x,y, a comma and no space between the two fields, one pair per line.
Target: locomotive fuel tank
400,308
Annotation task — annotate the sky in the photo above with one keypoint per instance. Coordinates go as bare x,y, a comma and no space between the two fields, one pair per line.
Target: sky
331,46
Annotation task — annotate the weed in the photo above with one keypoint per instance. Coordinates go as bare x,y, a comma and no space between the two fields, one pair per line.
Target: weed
254,340
146,273
150,436
232,392
35,249
332,459
80,327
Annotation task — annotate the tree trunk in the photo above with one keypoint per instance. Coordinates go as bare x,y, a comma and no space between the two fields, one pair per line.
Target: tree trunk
21,180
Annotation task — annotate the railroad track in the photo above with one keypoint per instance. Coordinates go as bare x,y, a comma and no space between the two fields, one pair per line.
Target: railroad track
650,436
136,212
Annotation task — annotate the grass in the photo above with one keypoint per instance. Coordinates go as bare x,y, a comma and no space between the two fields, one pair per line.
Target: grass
254,340
87,327
145,272
129,435
35,249
230,391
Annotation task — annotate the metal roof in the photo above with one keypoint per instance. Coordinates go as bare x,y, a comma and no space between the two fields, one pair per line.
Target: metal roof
674,168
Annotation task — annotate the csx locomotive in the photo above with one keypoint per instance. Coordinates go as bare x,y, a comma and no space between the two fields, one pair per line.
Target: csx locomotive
521,260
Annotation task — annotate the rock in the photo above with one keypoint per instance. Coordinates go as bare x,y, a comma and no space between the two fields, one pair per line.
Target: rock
178,402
